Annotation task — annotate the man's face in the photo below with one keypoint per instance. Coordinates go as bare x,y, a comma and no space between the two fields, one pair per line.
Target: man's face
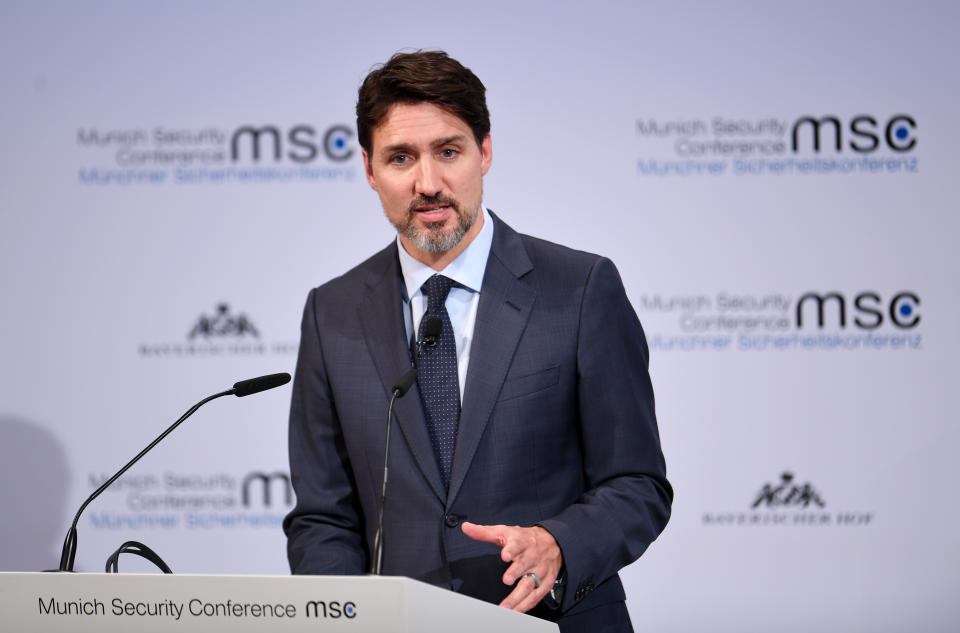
428,170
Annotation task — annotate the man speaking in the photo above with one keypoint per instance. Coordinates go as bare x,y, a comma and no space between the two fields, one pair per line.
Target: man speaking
525,466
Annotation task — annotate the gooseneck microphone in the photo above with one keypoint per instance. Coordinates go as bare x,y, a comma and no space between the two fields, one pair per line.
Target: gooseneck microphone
432,329
240,389
251,386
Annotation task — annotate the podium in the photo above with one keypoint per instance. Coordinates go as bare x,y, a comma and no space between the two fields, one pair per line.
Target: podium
40,602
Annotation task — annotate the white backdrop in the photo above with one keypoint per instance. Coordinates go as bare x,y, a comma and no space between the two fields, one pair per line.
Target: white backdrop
151,258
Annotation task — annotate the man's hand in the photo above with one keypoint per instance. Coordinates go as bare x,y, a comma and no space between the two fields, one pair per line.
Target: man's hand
529,550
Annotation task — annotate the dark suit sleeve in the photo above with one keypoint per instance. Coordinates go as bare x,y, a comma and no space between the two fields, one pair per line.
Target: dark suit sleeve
324,531
627,498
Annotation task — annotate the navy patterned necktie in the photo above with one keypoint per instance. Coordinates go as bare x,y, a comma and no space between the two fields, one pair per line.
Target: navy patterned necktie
438,383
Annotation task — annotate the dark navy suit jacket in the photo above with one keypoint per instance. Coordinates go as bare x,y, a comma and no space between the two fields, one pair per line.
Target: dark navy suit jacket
557,428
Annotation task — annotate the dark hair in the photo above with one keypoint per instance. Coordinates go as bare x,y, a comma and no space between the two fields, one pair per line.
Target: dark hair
424,76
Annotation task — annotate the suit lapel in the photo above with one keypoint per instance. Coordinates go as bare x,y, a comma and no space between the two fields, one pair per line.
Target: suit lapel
381,317
504,309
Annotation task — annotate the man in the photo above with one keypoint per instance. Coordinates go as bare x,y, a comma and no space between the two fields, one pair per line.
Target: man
527,469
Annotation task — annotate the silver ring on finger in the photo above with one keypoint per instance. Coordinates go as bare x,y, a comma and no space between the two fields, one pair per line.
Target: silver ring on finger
536,579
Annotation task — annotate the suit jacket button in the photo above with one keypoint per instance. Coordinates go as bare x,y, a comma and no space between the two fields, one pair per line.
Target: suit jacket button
583,590
452,520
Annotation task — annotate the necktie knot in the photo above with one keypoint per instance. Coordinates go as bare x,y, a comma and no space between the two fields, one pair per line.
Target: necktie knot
437,288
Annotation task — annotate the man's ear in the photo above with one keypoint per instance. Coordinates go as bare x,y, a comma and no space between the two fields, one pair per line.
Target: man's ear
486,154
368,169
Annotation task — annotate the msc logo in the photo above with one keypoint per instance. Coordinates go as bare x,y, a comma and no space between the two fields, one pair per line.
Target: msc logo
265,488
866,134
300,144
333,609
868,308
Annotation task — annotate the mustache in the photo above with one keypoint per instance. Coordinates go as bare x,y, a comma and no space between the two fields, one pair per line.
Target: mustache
440,199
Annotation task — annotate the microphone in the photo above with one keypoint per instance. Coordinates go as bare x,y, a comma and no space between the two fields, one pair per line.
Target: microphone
240,389
403,385
432,330
256,385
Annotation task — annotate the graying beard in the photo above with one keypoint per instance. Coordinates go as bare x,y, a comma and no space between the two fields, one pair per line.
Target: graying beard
433,240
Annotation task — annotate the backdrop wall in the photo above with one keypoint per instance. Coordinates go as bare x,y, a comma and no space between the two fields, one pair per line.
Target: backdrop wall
775,183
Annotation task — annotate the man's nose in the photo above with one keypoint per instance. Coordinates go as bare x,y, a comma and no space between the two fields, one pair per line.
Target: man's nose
429,181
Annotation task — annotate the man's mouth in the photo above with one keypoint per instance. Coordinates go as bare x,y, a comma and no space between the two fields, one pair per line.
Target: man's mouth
432,209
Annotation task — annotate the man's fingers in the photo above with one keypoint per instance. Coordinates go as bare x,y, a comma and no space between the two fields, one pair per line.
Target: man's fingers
523,589
533,599
517,569
525,595
487,533
498,535
513,552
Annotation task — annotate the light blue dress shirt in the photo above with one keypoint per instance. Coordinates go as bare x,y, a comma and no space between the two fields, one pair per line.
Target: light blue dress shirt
467,270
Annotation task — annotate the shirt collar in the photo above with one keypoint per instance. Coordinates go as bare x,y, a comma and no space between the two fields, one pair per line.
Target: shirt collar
467,269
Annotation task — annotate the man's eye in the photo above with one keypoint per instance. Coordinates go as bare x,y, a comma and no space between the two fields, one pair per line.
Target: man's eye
448,153
399,159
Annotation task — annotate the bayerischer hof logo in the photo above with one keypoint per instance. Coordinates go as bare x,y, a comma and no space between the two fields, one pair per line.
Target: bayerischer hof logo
224,331
788,501
223,324
788,494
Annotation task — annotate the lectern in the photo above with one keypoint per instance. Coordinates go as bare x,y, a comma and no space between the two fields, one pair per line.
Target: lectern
144,603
